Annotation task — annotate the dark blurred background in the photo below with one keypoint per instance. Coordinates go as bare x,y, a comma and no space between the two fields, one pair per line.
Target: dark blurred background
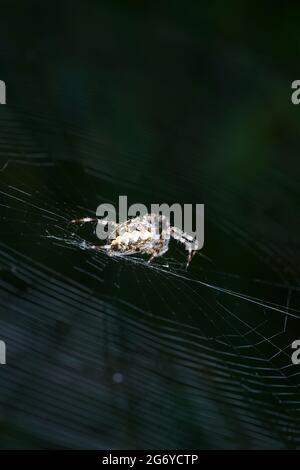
164,102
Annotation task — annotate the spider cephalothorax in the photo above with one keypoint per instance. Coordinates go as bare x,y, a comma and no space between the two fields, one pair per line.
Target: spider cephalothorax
148,234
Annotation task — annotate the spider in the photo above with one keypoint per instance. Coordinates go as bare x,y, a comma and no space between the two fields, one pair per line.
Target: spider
148,234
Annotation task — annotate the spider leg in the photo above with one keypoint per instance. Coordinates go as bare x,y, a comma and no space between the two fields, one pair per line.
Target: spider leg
190,243
84,220
87,220
154,255
102,248
158,252
190,256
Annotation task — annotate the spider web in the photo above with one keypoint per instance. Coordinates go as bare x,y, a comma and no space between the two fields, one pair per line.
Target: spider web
119,353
